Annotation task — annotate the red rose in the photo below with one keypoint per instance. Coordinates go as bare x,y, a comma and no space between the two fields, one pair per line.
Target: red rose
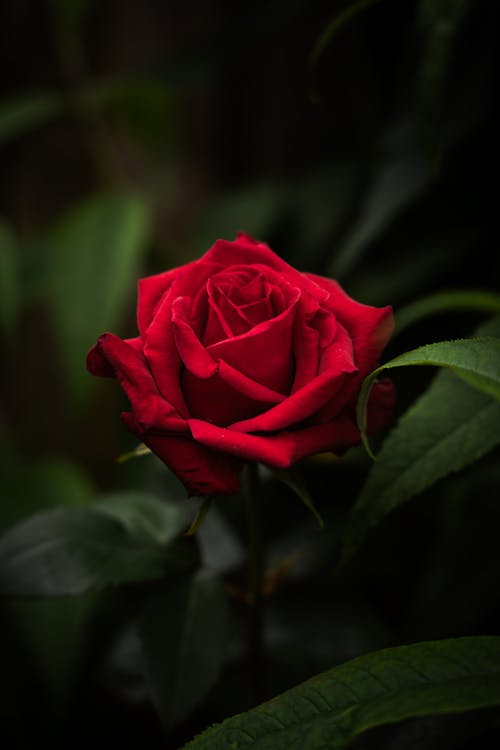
242,358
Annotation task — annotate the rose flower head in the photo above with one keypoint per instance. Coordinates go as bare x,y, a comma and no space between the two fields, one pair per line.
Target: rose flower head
240,358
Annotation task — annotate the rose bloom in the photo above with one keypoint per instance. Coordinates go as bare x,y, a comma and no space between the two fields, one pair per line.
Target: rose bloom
241,358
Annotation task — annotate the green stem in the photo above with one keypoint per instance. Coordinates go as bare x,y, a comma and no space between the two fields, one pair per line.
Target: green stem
255,584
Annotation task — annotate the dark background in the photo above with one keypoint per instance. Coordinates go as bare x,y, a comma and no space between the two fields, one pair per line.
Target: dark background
369,159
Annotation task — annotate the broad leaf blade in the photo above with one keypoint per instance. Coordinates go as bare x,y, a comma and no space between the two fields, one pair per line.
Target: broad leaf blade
145,516
68,551
475,360
384,687
449,427
53,630
183,632
94,259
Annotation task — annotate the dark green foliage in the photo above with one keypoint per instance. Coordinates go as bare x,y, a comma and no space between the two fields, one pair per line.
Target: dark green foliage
358,142
183,632
331,709
67,551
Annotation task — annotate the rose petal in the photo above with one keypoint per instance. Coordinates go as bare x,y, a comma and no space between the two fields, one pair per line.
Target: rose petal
223,319
241,298
227,319
305,351
226,396
262,309
150,291
194,276
306,401
202,471
370,327
263,354
214,400
380,405
336,437
192,352
97,364
248,387
251,291
280,450
276,450
247,251
130,368
159,349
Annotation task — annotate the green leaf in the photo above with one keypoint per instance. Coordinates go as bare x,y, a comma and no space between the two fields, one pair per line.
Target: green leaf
449,427
9,281
443,302
144,517
183,632
94,260
384,687
440,21
23,113
53,630
477,361
294,481
124,538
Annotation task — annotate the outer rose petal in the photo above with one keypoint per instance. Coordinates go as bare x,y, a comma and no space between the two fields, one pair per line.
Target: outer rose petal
280,450
380,405
370,327
202,471
192,352
97,364
128,365
150,291
284,449
159,347
305,402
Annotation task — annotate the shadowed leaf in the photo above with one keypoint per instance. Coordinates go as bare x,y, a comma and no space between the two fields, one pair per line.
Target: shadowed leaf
183,632
384,687
123,538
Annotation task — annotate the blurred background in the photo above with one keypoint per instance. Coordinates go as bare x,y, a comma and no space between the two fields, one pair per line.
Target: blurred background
357,139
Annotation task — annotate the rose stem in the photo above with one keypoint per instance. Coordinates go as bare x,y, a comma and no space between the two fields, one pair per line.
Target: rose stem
255,583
